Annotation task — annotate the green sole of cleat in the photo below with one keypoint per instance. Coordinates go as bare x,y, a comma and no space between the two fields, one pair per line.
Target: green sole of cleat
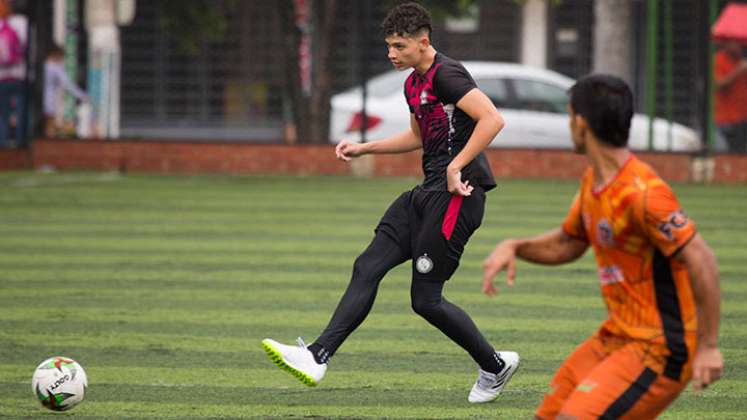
275,357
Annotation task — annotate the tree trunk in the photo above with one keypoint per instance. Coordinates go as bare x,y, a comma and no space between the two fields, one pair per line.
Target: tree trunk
310,112
321,91
612,52
293,89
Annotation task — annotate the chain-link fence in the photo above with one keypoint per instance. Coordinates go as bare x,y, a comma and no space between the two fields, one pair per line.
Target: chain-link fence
237,70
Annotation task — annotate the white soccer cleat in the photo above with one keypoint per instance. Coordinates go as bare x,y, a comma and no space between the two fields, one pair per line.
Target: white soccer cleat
296,360
489,385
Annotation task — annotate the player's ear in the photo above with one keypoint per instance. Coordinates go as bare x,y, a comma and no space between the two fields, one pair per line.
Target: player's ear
423,41
581,124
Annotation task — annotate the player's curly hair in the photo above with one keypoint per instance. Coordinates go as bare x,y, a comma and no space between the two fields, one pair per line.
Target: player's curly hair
406,19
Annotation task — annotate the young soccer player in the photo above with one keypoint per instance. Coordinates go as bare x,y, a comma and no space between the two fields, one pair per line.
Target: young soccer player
452,121
657,276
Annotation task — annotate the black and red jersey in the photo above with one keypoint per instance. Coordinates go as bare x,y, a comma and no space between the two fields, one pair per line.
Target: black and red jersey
444,128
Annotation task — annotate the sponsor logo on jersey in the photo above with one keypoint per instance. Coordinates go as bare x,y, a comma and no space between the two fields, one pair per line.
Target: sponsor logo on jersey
676,220
610,274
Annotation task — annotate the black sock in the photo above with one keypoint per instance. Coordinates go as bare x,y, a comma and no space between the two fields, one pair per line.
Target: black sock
321,355
495,365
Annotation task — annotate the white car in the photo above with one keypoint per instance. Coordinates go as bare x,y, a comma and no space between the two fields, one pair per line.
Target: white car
532,101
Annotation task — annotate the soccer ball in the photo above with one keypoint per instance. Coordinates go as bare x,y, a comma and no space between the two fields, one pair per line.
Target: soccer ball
59,383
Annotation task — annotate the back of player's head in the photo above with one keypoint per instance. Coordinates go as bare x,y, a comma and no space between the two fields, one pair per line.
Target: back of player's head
407,19
606,103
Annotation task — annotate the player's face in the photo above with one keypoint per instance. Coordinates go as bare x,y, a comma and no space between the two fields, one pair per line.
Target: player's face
405,51
575,123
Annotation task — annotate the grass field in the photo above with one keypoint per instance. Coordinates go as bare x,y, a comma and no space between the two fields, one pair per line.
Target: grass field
162,288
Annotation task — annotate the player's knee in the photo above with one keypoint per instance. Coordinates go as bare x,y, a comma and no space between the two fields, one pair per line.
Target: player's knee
363,268
424,306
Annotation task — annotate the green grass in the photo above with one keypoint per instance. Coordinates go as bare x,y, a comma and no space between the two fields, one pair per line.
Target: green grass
163,287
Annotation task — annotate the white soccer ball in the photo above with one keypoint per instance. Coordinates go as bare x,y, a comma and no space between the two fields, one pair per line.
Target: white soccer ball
59,383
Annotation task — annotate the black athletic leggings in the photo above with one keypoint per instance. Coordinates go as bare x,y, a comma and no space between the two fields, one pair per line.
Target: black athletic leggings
382,255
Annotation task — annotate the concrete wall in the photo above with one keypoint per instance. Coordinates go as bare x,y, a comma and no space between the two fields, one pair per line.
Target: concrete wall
195,158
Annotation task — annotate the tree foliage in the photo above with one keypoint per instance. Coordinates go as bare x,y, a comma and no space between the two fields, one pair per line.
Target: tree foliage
190,23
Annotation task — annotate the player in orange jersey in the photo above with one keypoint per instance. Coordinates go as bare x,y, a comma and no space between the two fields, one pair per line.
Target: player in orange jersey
658,278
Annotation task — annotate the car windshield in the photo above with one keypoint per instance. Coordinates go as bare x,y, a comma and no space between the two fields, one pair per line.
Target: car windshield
385,84
540,96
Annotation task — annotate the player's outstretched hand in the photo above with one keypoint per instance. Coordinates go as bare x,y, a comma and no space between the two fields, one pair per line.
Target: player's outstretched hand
707,367
502,258
347,150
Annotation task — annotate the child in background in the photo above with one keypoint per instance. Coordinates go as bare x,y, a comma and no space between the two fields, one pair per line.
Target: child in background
56,81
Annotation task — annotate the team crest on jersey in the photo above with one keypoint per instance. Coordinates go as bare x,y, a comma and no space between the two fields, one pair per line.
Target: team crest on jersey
423,97
605,234
676,220
423,264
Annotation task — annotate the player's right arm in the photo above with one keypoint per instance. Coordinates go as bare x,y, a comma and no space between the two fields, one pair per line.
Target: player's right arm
550,248
406,141
674,235
703,269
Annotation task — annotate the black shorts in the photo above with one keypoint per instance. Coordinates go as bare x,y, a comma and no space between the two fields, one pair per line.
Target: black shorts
432,228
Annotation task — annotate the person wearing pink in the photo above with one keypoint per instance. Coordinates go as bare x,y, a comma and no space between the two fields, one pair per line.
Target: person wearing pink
13,30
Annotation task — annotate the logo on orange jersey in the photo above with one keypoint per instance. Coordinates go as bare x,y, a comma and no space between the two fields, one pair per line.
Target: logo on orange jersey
676,220
610,274
605,234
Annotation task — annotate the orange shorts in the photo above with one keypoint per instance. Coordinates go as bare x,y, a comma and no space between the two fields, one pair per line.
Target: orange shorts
610,377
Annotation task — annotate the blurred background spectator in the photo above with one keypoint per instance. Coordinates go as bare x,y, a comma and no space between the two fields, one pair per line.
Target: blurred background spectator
56,82
731,95
13,36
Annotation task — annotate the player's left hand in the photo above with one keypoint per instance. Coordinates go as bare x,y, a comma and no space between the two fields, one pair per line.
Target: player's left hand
455,184
707,367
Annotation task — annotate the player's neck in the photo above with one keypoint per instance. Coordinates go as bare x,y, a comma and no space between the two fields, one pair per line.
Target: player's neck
428,58
606,162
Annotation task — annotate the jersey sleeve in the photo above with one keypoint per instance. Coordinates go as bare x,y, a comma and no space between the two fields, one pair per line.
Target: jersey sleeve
668,228
452,82
573,225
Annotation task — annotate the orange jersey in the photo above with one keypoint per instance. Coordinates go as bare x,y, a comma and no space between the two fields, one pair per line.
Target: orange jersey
731,103
635,225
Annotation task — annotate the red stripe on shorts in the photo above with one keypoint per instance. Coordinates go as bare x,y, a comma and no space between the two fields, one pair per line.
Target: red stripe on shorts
450,218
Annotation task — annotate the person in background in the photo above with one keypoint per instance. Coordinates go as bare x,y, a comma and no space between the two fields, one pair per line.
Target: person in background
13,31
56,82
731,95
